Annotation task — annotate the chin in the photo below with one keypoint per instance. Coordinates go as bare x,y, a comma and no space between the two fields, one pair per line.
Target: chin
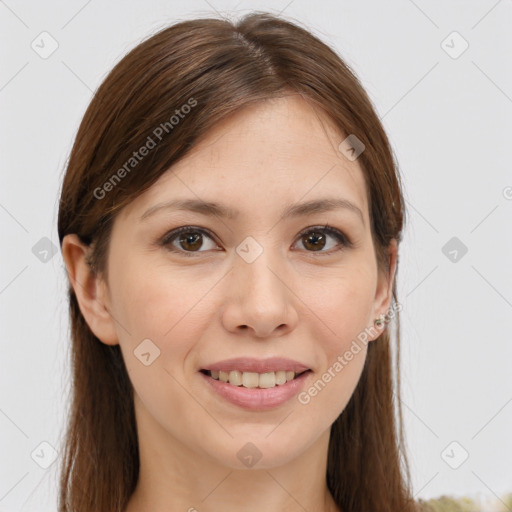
258,451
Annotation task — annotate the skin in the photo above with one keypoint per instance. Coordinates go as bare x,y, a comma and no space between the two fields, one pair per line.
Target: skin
292,301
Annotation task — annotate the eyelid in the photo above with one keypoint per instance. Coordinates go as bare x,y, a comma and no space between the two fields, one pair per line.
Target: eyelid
330,230
343,240
169,236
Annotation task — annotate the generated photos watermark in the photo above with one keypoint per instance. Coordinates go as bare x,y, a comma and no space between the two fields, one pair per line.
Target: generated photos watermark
343,360
151,143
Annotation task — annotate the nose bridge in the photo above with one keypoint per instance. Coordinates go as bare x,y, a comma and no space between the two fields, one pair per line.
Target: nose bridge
259,296
257,272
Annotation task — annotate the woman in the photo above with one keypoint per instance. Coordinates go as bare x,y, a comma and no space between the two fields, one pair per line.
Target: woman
230,219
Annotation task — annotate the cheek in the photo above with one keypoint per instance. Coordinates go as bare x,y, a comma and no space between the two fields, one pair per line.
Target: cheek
169,309
343,311
342,308
343,302
151,303
154,301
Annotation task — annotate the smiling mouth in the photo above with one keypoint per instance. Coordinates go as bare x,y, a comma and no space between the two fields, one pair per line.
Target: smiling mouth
253,379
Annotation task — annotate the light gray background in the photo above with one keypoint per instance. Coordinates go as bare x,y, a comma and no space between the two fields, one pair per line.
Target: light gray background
450,125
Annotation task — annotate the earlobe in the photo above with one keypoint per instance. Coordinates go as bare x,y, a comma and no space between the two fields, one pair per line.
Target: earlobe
384,291
89,288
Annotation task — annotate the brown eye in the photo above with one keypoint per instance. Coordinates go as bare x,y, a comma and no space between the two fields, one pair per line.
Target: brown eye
314,240
317,239
191,241
187,240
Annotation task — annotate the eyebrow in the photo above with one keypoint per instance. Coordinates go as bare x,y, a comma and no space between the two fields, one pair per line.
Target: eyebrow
215,209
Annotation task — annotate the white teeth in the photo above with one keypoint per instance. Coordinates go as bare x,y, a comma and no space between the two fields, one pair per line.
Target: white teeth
267,380
253,379
250,379
235,378
280,378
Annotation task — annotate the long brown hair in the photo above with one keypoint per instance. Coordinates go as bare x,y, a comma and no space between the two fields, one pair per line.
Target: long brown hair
222,67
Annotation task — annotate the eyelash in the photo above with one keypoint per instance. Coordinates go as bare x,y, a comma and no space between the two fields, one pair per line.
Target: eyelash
342,239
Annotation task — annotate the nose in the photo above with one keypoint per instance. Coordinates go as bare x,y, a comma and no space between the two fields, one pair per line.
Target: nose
259,299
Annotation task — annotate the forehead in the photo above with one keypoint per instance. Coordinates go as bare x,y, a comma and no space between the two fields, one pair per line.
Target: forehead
271,153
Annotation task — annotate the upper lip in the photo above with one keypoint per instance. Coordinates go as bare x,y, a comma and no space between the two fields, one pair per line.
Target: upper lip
249,364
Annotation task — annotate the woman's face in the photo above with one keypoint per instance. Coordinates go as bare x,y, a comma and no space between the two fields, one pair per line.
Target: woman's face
266,282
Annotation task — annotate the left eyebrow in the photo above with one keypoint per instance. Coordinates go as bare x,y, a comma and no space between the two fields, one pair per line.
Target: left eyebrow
320,206
216,209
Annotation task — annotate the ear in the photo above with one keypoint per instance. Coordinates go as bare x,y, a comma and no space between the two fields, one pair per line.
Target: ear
90,290
384,292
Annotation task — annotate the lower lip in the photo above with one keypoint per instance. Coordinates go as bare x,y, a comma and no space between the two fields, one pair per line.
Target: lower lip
257,399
